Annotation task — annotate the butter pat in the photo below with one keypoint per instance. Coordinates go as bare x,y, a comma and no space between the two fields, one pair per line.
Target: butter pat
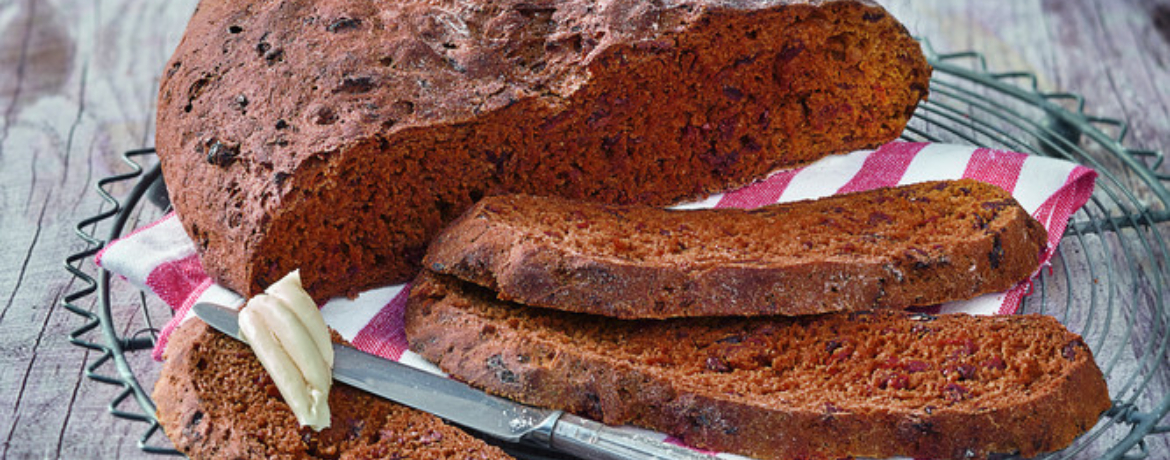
288,335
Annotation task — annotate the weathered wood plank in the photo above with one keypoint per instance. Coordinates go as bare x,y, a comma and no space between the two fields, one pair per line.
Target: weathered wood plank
77,86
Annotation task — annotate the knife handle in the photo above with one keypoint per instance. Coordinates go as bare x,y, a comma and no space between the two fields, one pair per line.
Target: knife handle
589,439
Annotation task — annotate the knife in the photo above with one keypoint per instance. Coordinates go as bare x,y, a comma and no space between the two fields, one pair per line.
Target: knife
466,406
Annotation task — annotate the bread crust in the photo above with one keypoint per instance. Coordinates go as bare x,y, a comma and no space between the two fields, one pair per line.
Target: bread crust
338,136
914,245
215,401
961,387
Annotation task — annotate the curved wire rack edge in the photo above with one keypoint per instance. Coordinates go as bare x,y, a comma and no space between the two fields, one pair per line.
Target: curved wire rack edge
111,350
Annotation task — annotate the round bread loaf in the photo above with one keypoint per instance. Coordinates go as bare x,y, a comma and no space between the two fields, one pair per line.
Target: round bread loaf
338,136
215,401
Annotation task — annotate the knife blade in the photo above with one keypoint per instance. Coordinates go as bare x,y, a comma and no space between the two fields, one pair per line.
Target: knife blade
466,406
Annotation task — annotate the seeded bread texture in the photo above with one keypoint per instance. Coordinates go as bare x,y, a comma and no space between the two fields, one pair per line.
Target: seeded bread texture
913,245
215,401
866,384
338,137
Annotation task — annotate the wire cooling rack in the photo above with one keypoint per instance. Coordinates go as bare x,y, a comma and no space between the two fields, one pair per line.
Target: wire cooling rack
1108,282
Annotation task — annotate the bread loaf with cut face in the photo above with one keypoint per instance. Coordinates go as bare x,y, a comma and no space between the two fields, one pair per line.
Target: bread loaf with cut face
913,245
215,401
339,136
865,384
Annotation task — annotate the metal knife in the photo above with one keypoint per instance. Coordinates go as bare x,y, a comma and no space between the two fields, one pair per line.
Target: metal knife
472,408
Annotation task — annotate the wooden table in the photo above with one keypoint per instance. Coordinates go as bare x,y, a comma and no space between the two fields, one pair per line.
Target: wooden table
77,87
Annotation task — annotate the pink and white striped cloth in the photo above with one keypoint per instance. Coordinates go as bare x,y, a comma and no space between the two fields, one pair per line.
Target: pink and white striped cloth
161,259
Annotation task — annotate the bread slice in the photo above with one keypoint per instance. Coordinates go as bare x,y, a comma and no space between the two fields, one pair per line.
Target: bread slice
874,384
339,136
215,401
913,245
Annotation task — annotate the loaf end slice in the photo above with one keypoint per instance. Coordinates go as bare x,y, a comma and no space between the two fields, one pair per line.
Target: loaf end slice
339,136
866,384
913,245
215,401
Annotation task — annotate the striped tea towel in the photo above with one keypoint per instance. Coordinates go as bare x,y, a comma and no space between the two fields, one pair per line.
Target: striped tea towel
161,259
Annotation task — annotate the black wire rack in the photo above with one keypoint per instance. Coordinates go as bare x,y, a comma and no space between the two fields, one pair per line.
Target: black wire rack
1109,280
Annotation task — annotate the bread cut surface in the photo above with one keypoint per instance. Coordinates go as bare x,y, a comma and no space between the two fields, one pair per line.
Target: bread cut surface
338,136
913,245
215,401
865,384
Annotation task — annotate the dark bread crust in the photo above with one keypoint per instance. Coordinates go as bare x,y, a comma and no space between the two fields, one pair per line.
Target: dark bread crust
849,384
914,245
338,136
215,401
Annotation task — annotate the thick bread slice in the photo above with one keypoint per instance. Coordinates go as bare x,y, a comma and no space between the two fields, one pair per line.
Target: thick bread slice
215,401
873,384
339,136
913,245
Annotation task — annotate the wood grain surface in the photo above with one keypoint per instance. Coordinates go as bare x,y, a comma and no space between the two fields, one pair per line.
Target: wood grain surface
78,81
